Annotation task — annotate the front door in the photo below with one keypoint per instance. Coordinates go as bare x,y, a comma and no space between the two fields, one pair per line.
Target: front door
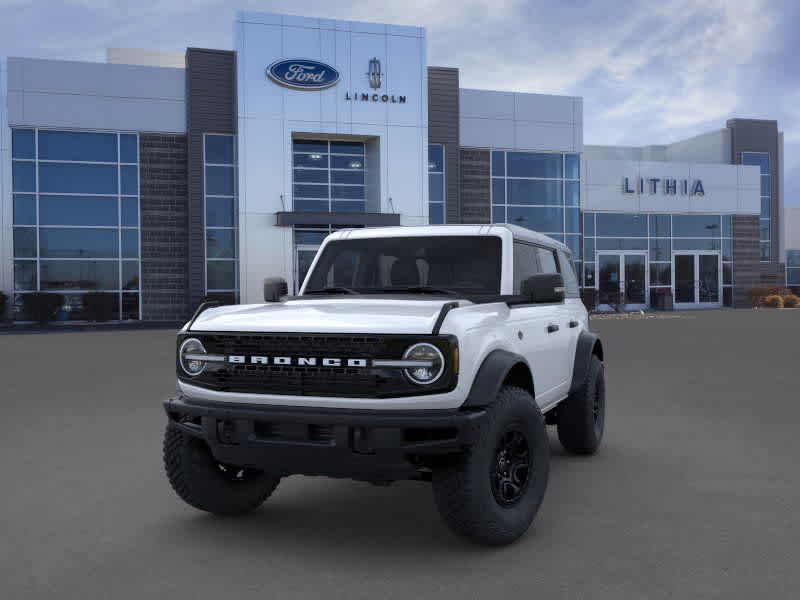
697,279
621,280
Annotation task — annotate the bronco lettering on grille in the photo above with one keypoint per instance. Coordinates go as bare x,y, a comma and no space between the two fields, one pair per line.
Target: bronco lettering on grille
300,361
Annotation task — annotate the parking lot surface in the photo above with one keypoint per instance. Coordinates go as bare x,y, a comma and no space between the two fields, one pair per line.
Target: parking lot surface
694,494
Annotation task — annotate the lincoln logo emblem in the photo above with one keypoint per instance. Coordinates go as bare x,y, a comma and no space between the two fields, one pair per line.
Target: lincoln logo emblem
374,74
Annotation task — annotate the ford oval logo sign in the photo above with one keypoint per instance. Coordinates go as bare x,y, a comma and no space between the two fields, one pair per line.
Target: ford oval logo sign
303,74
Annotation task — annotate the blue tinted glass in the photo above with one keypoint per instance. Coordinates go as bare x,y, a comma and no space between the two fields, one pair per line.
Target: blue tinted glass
130,275
130,212
727,225
435,158
696,225
660,226
766,251
356,177
220,274
573,166
128,149
764,229
793,258
498,191
313,238
310,191
23,144
626,225
347,148
24,275
660,274
436,187
660,249
695,244
309,146
727,249
588,274
320,161
129,180
78,243
220,243
572,190
78,179
530,164
74,145
219,149
337,162
527,191
498,214
621,244
793,277
348,206
588,224
543,219
219,181
80,275
130,243
77,210
219,212
23,176
759,159
311,205
347,192
765,208
559,237
24,209
572,220
25,242
765,185
314,175
436,214
588,249
574,243
498,163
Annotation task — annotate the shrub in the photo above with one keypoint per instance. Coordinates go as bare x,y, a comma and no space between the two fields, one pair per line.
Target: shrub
3,306
790,300
773,301
98,306
41,306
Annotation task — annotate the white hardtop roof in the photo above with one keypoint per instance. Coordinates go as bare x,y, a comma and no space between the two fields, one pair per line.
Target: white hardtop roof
501,230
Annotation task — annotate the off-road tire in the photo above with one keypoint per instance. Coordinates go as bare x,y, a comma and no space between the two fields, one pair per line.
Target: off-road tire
463,486
581,417
203,483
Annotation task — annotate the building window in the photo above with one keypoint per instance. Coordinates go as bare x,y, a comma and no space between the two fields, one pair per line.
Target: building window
76,221
540,191
793,269
328,176
436,184
761,160
221,227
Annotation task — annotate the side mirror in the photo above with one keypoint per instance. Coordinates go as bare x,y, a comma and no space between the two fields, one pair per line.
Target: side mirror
274,288
544,288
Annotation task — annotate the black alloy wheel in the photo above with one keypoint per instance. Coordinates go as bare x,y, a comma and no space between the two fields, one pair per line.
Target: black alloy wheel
511,469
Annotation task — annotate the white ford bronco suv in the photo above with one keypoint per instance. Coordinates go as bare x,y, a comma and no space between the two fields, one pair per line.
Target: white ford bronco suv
433,353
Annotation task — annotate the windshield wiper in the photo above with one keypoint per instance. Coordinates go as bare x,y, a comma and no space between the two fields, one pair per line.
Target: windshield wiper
331,290
421,289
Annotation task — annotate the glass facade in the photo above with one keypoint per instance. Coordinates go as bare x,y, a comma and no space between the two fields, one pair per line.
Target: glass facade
793,268
76,220
221,223
540,191
328,176
761,160
435,184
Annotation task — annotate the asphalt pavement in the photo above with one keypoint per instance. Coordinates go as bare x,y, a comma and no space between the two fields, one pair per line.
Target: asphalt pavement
694,494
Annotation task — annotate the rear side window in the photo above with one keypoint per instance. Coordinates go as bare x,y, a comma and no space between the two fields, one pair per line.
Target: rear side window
547,260
570,278
526,263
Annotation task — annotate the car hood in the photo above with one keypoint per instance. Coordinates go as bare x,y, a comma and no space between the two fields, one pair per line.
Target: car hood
328,315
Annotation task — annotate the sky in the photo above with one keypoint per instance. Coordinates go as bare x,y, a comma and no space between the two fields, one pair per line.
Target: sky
649,72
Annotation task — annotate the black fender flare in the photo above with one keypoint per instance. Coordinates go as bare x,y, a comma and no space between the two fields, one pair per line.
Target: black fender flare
491,375
589,345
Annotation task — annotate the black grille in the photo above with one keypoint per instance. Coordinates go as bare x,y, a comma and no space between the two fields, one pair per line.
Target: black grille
367,382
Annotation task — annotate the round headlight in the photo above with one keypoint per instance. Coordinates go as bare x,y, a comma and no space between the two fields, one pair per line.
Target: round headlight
191,355
429,372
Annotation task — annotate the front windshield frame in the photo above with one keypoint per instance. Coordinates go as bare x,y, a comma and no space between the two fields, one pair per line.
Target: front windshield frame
471,270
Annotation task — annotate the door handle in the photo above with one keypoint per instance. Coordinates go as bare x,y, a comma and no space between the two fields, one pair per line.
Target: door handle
573,323
552,328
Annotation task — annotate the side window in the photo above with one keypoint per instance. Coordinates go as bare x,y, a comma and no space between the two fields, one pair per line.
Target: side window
547,260
526,263
570,279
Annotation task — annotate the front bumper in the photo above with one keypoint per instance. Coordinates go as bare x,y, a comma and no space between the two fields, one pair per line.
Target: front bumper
360,444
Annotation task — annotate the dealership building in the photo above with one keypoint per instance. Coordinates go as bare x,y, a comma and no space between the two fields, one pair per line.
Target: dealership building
163,179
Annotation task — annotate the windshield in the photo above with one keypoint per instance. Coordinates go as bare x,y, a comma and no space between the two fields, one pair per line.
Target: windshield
448,265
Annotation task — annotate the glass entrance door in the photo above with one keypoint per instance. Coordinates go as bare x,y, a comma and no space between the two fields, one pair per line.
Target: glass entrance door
697,279
621,280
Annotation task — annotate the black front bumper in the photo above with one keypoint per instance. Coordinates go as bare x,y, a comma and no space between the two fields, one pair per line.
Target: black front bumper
370,445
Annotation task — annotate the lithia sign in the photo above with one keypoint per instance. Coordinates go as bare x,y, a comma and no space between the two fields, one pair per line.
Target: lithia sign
306,74
667,186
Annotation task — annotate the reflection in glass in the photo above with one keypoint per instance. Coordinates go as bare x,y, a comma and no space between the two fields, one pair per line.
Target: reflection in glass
67,178
80,275
77,210
57,242
77,146
221,275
